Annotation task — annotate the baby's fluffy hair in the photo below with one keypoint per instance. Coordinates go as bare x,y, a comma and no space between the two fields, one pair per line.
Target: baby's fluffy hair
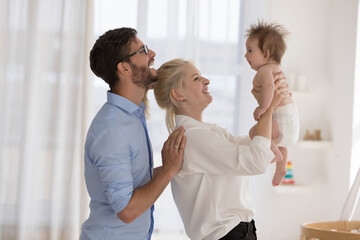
271,37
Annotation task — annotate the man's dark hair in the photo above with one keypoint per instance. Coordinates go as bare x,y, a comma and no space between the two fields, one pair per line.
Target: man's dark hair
111,47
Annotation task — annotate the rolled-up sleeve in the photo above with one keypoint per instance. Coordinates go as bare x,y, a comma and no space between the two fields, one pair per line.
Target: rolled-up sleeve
262,155
111,158
208,151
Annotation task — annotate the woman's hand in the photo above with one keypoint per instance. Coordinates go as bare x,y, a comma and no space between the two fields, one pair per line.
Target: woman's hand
281,90
279,76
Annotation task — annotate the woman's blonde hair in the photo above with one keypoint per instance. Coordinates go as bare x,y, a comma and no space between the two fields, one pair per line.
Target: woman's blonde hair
171,77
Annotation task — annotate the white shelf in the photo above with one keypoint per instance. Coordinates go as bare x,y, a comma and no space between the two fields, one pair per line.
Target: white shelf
314,144
303,95
300,93
292,189
307,93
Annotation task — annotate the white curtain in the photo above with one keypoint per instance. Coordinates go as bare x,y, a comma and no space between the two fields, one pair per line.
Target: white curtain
48,96
44,89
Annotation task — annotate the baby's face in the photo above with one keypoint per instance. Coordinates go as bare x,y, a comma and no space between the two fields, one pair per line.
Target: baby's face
254,55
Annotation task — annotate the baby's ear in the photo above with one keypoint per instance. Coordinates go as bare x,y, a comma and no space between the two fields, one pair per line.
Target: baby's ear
267,54
177,95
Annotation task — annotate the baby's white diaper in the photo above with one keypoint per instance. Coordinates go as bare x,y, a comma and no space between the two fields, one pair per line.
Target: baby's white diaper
287,117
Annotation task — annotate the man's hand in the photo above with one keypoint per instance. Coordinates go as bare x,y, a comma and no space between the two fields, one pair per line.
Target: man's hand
144,197
173,151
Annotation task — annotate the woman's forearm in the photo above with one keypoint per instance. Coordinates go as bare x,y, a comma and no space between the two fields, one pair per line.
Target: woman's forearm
264,126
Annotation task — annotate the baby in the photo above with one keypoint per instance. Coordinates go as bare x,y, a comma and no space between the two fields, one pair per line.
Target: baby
265,47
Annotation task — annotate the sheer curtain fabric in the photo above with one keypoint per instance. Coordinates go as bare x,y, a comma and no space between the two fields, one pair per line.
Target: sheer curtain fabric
43,102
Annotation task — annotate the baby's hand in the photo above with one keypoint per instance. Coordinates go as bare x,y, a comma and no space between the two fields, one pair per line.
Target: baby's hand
258,112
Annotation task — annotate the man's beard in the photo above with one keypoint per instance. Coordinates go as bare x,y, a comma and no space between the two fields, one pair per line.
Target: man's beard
142,76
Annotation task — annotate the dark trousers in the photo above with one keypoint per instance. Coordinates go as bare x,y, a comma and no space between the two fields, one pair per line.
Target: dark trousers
243,231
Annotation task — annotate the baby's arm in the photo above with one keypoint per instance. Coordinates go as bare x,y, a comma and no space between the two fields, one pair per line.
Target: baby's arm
266,80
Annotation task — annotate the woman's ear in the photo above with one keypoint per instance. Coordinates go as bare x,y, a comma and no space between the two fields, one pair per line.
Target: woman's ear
177,96
266,54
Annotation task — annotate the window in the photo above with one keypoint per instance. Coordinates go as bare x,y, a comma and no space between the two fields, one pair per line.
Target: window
356,113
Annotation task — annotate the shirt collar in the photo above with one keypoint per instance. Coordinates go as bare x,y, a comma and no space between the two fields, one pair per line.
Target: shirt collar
182,120
126,104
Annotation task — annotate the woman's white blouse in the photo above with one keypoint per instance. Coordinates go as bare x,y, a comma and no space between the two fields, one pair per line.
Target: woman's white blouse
212,191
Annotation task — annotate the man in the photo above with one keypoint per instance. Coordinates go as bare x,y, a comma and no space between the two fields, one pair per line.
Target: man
118,157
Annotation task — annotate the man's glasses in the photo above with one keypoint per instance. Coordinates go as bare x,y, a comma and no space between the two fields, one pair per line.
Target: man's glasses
142,49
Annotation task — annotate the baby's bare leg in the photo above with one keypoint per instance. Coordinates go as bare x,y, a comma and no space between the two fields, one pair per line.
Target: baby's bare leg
278,156
275,130
275,134
251,132
280,171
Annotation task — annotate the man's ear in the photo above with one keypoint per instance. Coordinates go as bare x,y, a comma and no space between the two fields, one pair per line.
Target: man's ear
124,68
177,95
266,54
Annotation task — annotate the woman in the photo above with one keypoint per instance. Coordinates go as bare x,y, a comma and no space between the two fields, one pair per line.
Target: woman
212,191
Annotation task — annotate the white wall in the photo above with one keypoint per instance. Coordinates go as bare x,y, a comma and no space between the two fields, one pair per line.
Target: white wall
343,39
322,47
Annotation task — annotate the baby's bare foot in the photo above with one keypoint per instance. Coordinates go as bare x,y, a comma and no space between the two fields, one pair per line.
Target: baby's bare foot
278,176
278,156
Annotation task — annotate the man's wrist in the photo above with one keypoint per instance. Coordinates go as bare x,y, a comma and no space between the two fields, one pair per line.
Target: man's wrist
167,173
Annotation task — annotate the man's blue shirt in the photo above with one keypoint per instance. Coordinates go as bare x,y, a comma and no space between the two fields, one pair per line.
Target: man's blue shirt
118,159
